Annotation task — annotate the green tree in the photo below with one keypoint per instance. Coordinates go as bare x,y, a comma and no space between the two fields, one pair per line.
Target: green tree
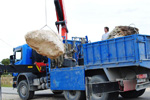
5,61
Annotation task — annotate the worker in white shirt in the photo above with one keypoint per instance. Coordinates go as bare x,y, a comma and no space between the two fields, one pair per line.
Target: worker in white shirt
105,36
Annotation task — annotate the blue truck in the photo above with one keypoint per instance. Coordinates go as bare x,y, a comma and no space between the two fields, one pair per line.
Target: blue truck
91,71
95,71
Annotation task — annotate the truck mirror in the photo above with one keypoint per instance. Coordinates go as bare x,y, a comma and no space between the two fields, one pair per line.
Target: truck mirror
12,60
12,57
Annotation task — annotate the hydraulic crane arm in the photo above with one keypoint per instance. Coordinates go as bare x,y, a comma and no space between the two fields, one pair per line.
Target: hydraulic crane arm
61,22
61,25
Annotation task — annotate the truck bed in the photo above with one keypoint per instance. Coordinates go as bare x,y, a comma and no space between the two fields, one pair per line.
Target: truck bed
132,50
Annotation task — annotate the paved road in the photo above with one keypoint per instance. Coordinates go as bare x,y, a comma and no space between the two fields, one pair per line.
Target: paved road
11,94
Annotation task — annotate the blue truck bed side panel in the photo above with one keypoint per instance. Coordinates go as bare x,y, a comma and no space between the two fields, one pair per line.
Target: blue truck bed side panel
132,50
68,78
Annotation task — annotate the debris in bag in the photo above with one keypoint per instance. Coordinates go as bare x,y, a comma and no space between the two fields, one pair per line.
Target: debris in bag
120,31
46,42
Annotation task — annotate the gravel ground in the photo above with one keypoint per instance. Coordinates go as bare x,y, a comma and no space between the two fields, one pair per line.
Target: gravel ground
11,94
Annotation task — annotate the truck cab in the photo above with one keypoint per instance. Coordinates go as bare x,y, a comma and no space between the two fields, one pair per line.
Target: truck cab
22,55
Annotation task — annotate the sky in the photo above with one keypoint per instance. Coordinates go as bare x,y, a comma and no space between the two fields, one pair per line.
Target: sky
84,17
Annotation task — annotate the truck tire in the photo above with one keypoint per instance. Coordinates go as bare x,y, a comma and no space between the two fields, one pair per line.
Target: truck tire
132,94
57,92
141,92
74,95
23,90
102,96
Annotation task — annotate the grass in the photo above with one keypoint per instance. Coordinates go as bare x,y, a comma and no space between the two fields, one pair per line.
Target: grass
6,75
6,80
6,85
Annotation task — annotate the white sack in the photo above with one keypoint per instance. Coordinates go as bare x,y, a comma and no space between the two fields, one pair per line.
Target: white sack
46,43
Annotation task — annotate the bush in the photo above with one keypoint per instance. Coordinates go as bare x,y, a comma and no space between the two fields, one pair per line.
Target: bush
5,61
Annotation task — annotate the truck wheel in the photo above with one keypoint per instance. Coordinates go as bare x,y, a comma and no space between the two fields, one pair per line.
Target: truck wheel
132,94
141,92
57,92
102,96
74,95
23,91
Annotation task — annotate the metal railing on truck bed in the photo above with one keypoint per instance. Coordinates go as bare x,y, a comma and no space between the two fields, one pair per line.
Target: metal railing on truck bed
132,50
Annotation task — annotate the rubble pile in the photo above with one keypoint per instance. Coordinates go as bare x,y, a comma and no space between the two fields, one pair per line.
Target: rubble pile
120,31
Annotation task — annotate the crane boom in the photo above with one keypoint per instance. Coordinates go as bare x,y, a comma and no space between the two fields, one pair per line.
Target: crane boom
61,22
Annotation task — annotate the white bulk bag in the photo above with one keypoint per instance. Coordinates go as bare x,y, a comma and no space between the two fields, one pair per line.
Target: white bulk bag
45,42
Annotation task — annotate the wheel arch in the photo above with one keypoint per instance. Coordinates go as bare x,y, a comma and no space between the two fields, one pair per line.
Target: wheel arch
90,73
21,77
26,76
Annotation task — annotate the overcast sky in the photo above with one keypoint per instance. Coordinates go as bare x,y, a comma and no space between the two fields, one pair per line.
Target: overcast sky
85,17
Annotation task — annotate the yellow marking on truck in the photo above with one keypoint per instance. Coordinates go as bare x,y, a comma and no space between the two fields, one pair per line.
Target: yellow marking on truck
30,66
39,69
